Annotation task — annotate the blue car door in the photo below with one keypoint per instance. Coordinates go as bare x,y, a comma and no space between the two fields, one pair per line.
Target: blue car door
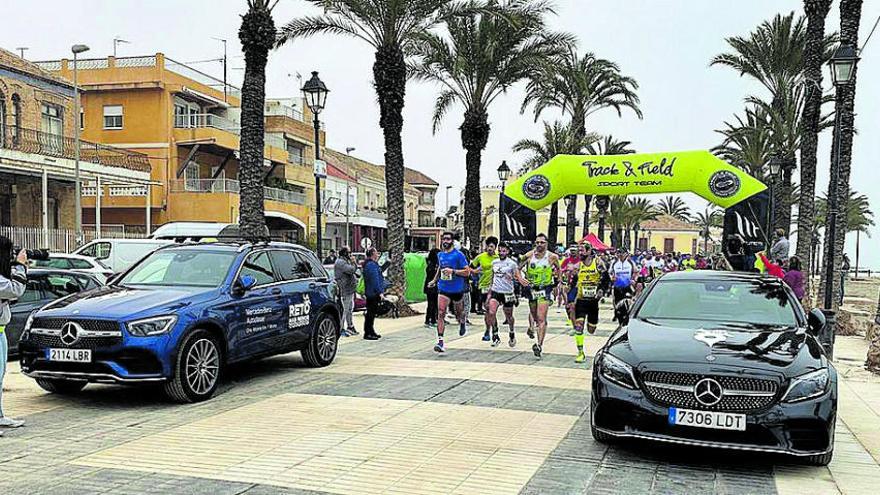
260,312
314,284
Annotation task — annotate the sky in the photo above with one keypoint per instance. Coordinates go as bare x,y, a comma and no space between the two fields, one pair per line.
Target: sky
666,45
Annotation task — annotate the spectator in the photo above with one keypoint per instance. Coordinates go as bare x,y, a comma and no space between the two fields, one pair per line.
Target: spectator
779,251
374,290
345,273
331,258
844,269
13,280
794,277
770,267
431,292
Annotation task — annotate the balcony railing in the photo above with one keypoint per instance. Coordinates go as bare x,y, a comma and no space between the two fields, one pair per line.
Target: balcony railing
201,77
56,145
233,186
202,120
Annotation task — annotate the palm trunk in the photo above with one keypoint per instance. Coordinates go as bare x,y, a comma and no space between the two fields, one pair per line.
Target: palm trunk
570,219
553,224
816,11
784,220
257,35
389,74
474,135
586,227
850,15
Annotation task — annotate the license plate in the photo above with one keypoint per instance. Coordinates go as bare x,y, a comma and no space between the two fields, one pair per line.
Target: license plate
70,355
707,419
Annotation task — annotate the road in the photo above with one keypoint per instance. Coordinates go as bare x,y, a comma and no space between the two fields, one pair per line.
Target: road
393,417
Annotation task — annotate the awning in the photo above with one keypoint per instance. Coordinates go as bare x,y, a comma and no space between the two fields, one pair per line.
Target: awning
595,242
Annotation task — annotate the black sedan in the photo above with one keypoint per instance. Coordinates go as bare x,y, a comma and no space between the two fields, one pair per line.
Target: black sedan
43,287
718,359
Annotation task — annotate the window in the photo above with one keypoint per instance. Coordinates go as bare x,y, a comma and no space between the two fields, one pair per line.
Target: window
288,266
112,116
61,285
190,267
259,267
309,266
16,118
2,120
79,264
191,177
668,245
33,290
57,263
82,118
52,121
98,250
294,152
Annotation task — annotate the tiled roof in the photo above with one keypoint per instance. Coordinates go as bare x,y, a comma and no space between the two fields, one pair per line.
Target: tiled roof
666,222
418,178
16,63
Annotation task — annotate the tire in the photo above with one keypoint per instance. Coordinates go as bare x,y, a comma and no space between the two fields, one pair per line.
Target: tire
63,387
197,370
819,459
601,436
323,344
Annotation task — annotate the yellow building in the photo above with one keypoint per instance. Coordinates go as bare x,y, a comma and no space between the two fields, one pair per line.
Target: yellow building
667,234
188,123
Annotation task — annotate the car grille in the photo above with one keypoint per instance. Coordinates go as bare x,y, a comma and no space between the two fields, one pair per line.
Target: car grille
82,343
95,325
740,393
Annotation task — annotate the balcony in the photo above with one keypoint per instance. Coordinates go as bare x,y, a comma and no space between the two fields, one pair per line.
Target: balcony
206,120
207,186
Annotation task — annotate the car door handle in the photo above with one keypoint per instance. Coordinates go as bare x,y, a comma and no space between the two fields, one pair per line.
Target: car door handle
276,290
313,285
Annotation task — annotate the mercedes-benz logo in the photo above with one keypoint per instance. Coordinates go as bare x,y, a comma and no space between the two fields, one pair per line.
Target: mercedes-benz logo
708,392
70,333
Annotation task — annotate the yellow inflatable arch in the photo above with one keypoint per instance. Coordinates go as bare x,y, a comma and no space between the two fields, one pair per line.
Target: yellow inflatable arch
699,172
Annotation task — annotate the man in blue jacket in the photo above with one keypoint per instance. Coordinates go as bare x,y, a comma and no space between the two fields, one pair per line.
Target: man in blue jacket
374,290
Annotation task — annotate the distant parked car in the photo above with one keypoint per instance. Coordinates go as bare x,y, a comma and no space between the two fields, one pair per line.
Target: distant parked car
120,254
43,287
76,263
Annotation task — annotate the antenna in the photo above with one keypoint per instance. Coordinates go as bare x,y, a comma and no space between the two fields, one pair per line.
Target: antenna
21,50
349,150
118,41
225,85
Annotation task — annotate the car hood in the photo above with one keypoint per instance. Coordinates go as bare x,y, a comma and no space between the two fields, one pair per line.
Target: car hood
124,303
679,341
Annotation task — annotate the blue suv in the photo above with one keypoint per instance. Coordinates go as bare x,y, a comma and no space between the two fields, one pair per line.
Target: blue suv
181,315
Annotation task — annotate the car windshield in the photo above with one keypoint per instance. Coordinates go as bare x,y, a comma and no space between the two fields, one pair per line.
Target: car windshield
58,263
736,303
192,267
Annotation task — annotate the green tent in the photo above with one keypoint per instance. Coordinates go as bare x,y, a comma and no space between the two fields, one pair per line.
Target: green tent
414,268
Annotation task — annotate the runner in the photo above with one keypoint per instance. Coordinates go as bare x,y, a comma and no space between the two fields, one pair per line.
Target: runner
568,289
541,267
482,264
623,274
450,279
504,271
589,277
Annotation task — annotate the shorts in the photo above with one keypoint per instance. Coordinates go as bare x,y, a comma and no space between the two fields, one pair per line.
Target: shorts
572,294
506,300
587,308
538,294
622,293
452,296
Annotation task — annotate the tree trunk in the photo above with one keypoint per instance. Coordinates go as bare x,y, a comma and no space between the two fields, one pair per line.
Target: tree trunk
474,135
570,220
586,227
850,15
816,11
389,75
784,220
553,224
257,36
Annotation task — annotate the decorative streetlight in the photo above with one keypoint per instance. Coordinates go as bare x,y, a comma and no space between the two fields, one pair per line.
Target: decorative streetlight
843,66
315,92
77,49
503,175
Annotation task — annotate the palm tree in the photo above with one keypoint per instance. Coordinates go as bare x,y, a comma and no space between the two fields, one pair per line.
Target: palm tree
640,210
747,143
257,36
475,61
675,207
580,85
390,27
707,220
607,146
558,139
857,212
814,57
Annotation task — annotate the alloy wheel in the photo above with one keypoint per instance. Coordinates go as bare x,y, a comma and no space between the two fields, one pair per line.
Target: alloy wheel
202,366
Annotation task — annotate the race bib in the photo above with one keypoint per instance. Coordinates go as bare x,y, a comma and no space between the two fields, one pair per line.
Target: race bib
445,276
510,298
485,291
589,291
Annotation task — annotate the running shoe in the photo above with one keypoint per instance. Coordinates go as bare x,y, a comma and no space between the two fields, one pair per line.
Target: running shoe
531,333
353,331
580,358
537,350
462,329
345,333
496,340
512,341
6,422
439,347
486,337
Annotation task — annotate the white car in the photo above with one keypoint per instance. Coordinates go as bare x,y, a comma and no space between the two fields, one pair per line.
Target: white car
119,254
76,263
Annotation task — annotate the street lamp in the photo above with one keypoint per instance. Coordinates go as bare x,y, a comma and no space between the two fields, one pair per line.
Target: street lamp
843,67
503,175
77,49
315,92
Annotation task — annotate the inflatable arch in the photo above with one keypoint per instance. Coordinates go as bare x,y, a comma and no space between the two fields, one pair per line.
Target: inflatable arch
699,172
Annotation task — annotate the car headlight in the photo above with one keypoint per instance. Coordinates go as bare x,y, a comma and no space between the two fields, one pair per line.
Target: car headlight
807,386
617,371
151,326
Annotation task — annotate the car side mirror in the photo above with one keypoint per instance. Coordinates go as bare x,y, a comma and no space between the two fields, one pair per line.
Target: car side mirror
815,322
243,284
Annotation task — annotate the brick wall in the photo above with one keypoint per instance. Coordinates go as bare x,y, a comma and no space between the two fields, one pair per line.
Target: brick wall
33,86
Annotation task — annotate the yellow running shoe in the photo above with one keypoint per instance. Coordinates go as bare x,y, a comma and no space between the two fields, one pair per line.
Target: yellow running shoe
580,358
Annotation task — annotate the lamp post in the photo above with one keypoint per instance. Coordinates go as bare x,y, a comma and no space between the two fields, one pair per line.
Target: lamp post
775,165
77,49
315,92
842,65
503,174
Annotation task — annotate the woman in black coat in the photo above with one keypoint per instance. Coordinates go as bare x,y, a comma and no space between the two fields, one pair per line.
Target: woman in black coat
431,292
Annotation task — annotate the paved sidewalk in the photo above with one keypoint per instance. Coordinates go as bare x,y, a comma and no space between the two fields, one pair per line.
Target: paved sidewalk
394,417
